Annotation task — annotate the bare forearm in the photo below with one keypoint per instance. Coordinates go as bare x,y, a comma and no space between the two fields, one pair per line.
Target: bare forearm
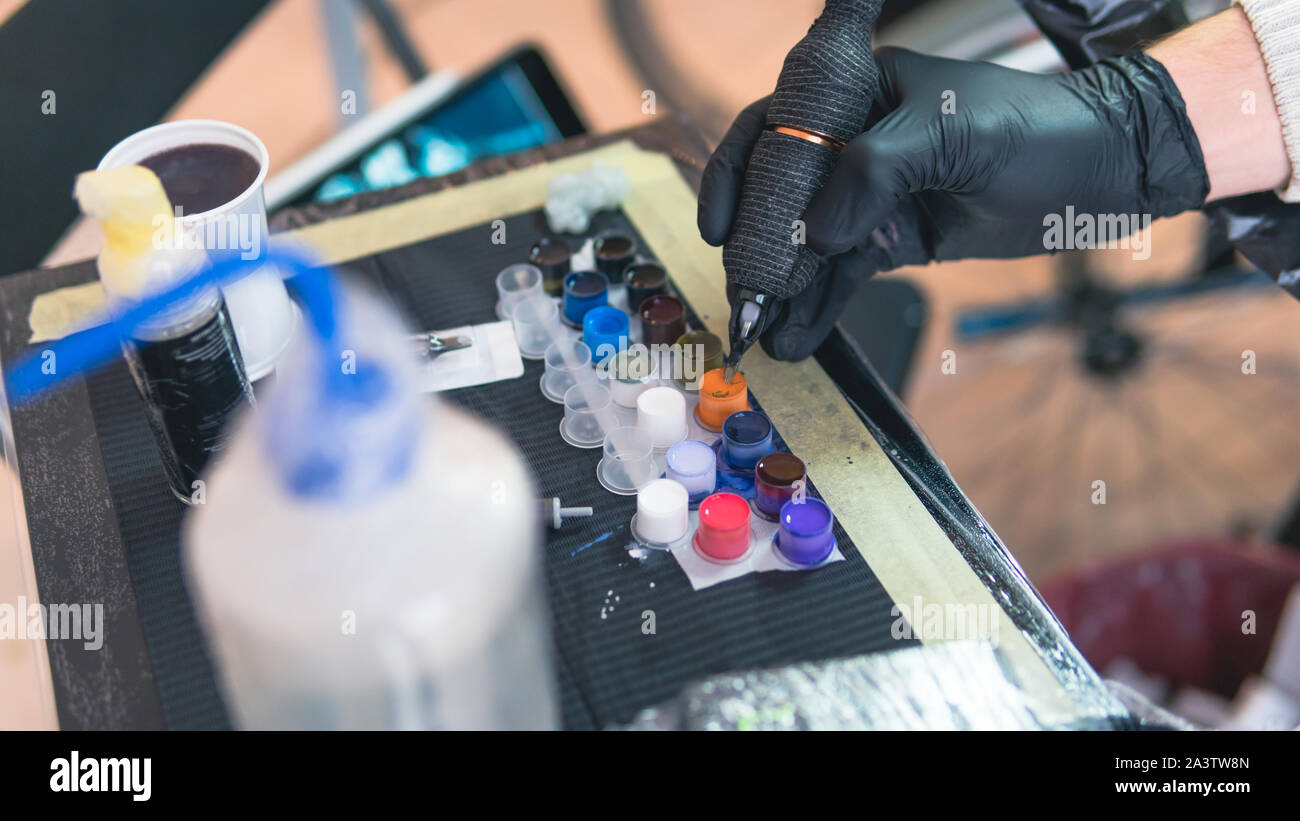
1217,66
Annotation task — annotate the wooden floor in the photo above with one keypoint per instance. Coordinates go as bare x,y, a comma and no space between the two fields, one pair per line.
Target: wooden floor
1186,443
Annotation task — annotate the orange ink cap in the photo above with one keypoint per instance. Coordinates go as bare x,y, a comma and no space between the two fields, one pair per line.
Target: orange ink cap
719,398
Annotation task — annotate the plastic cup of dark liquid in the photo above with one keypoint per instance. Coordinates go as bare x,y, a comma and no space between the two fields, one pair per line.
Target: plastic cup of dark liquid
551,255
774,478
643,280
663,319
614,251
214,173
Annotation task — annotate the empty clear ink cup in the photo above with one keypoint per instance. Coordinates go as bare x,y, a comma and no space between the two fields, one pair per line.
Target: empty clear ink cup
694,466
642,281
806,536
567,361
537,325
661,412
723,535
605,331
588,414
552,256
614,251
774,478
698,352
746,438
516,283
628,461
662,515
628,374
720,398
583,290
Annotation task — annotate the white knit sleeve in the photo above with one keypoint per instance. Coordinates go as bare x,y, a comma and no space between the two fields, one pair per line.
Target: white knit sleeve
1276,24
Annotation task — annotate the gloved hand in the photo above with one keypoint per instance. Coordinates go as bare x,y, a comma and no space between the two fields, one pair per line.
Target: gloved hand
965,159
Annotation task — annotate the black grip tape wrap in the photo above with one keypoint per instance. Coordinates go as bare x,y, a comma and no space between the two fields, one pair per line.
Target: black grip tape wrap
826,86
763,252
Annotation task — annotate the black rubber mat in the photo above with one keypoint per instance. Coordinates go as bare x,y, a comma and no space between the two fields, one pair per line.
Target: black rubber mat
149,520
608,667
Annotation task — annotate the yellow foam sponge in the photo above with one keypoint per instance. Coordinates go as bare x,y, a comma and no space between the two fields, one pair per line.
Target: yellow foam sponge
133,210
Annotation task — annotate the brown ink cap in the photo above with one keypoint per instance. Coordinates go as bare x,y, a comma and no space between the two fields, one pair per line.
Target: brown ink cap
645,275
615,246
780,469
550,251
663,309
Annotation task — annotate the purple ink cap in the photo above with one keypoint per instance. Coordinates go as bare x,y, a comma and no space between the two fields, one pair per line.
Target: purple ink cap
806,538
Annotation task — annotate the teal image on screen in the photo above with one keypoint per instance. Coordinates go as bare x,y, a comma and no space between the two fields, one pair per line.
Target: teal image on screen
499,114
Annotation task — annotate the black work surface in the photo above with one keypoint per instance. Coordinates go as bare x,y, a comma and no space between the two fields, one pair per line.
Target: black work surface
607,667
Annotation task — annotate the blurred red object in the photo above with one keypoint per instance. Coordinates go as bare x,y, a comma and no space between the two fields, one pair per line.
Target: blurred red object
1179,611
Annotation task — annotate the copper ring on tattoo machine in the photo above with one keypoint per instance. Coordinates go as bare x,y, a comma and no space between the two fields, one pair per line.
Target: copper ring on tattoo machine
810,136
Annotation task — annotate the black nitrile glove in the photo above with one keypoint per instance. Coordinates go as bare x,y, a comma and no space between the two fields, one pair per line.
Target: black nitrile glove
966,159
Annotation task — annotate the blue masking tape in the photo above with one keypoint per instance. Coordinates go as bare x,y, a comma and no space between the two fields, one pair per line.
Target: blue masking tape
57,361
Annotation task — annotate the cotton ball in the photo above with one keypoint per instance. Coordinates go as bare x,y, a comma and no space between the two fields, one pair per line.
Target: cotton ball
566,212
571,199
611,182
564,216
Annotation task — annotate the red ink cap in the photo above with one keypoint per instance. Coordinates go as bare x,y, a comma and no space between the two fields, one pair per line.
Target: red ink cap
723,534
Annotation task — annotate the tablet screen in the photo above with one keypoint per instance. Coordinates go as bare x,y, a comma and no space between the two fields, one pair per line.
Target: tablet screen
498,113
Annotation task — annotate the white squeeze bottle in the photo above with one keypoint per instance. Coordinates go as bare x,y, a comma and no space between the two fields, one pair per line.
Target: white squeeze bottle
365,558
